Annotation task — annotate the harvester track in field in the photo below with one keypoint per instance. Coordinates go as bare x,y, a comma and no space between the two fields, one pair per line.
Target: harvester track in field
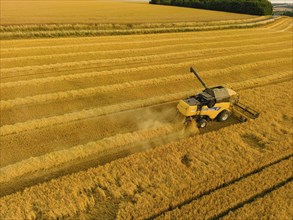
253,198
245,180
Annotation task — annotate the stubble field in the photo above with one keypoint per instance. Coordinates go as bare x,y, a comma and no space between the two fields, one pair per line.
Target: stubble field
87,126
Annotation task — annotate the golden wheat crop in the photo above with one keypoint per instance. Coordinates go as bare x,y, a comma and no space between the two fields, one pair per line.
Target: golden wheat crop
100,11
93,118
217,202
277,204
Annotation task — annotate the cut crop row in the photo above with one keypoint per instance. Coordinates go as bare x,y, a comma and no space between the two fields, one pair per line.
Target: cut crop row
50,27
78,124
108,95
86,32
95,112
46,135
137,61
217,61
64,44
31,87
133,42
112,54
100,147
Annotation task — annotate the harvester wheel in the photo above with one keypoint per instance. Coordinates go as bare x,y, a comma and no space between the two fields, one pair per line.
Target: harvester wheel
202,123
223,116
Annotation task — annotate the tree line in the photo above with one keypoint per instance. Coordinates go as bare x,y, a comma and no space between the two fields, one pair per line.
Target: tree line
253,7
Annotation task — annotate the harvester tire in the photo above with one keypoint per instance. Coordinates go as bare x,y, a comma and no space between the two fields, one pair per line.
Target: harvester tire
202,123
223,116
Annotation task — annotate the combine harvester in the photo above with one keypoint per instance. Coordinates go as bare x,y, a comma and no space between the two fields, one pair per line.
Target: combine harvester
216,103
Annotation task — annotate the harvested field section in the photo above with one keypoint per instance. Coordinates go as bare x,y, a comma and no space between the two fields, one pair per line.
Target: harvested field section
200,51
74,127
13,48
75,81
88,125
112,78
72,98
75,100
67,134
154,176
184,48
130,31
147,47
284,26
104,146
277,24
121,43
130,62
65,43
56,104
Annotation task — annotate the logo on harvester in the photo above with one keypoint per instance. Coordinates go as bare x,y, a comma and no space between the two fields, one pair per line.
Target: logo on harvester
211,109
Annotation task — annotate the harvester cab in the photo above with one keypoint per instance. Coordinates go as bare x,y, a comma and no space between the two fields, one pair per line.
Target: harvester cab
216,103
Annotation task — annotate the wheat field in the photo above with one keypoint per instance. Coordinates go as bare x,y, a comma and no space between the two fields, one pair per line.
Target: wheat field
64,18
102,11
87,123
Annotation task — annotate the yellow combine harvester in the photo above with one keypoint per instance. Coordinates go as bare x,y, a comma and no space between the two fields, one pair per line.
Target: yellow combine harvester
216,103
